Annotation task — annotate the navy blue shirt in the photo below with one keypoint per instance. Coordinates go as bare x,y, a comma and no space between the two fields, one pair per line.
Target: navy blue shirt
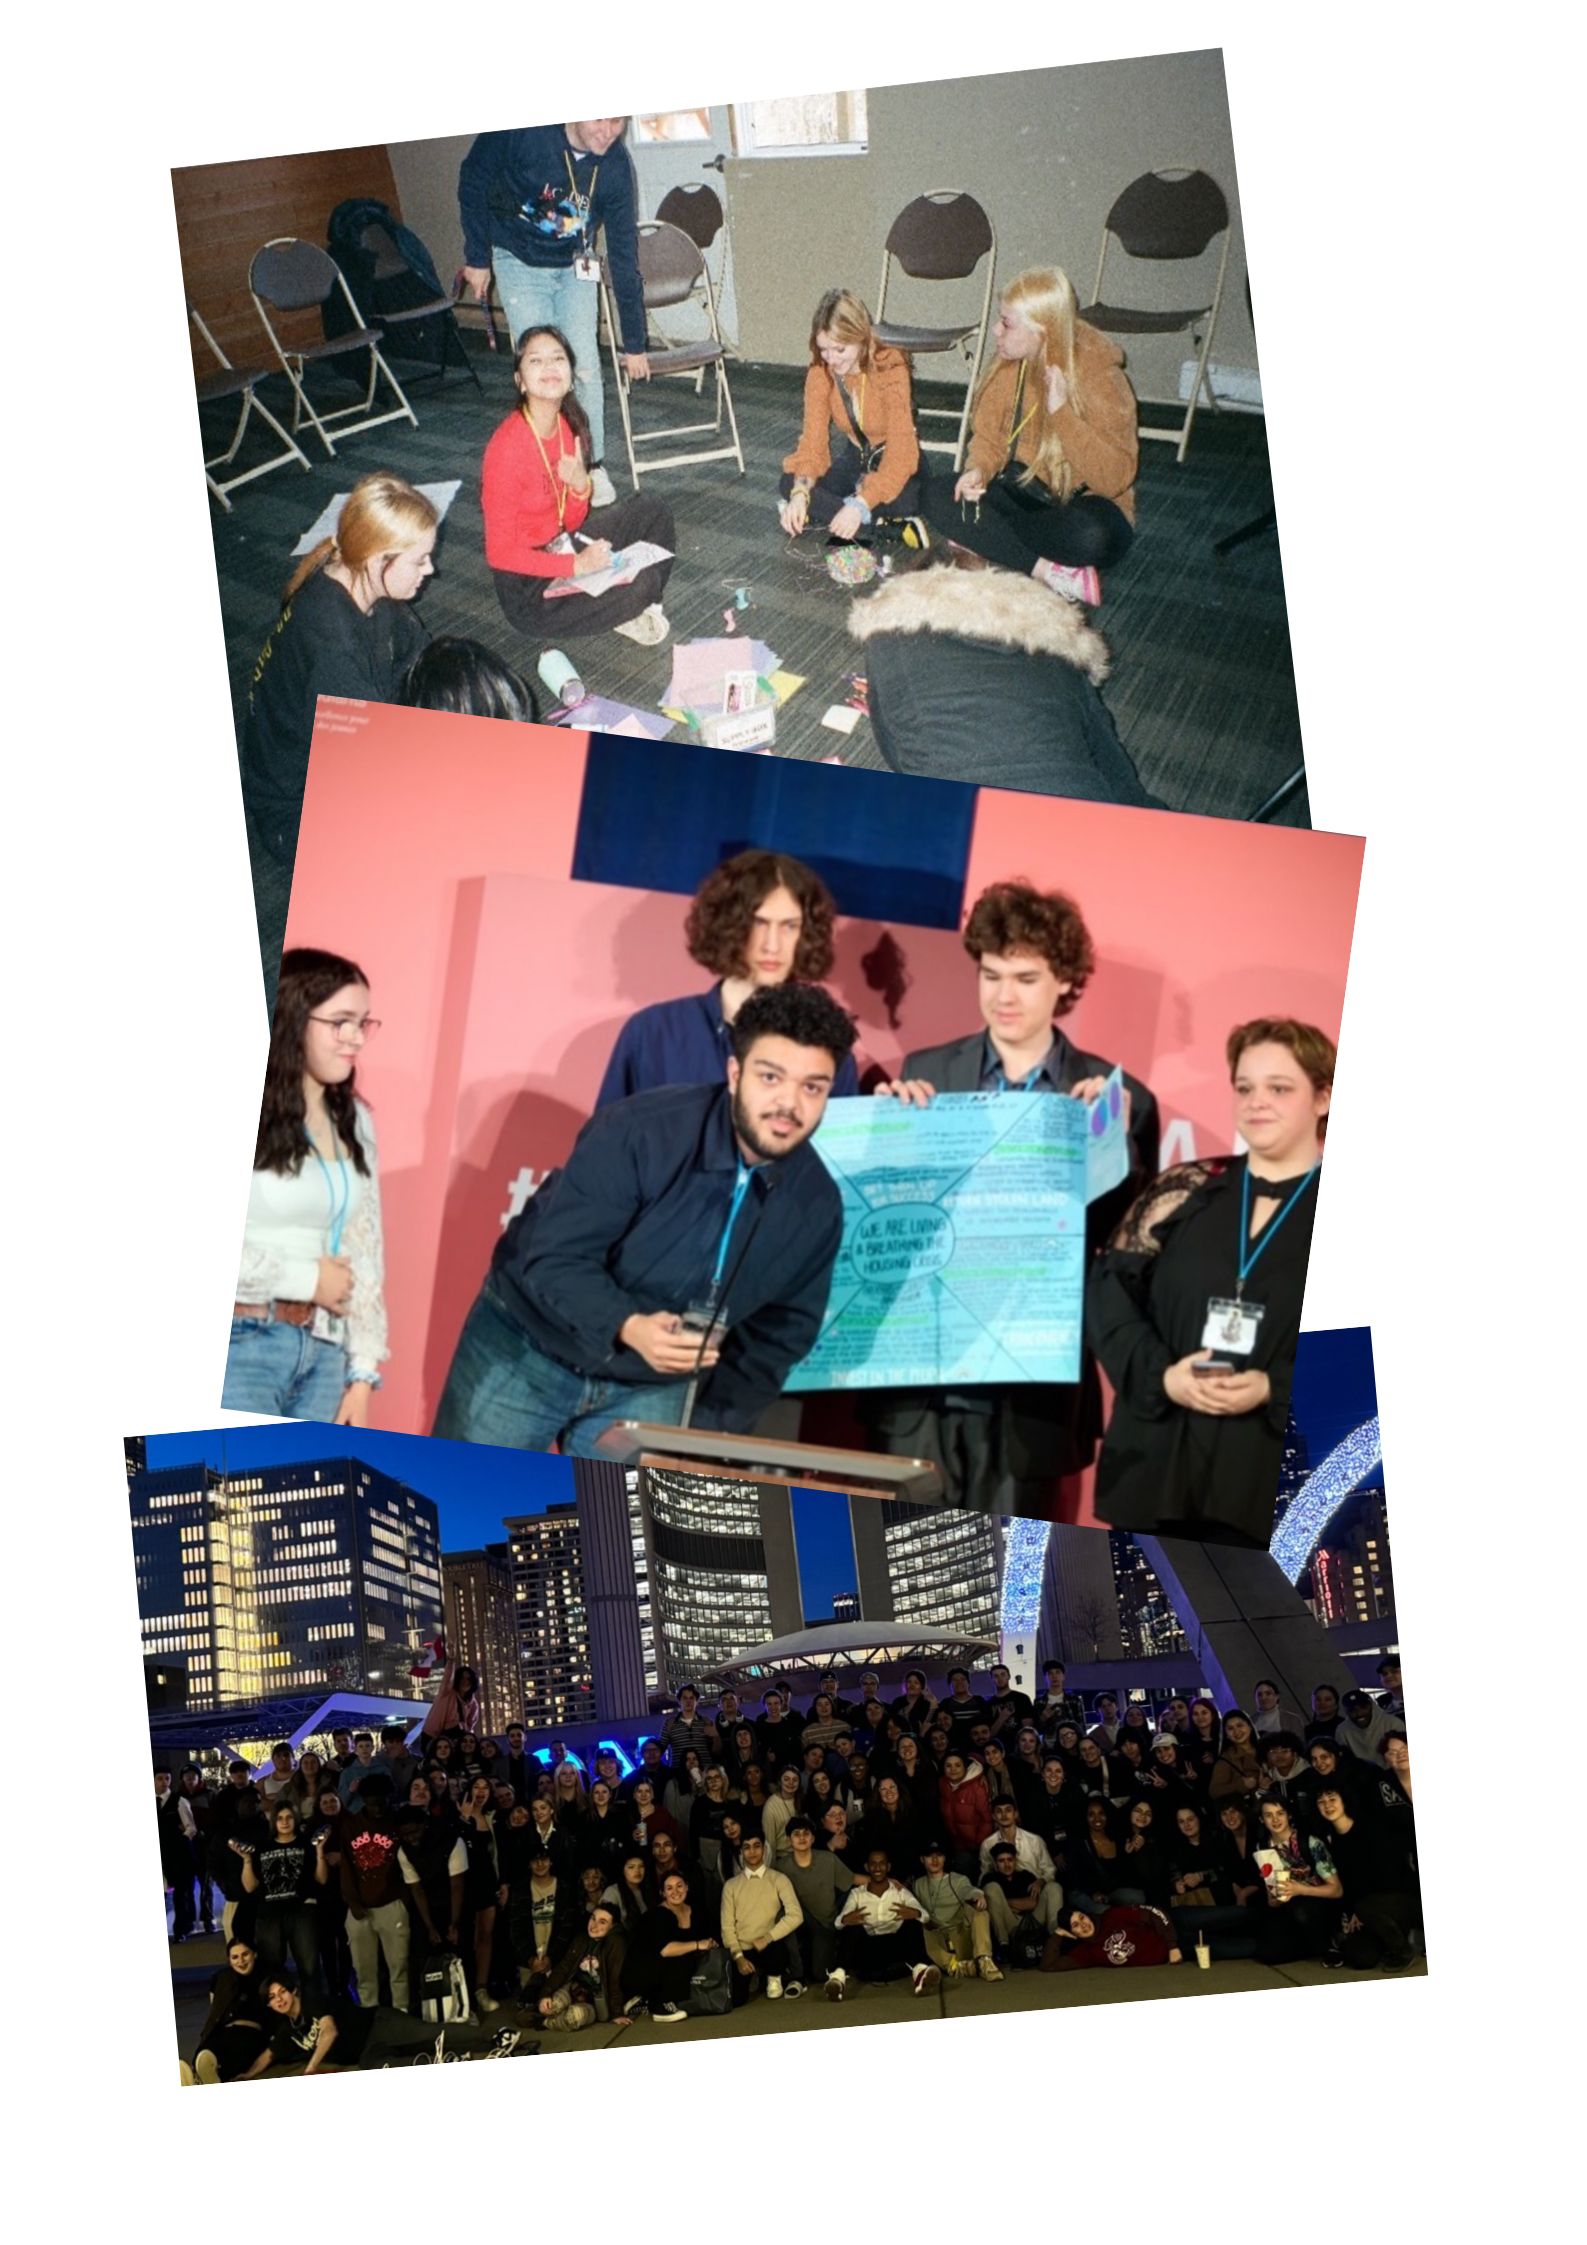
632,1222
535,195
684,1041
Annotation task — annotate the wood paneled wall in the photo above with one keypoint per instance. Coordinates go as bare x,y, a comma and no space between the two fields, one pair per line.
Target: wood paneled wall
224,212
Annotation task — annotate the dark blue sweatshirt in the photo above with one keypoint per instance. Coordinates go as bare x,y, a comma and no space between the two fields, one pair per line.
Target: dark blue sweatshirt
632,1222
684,1041
516,192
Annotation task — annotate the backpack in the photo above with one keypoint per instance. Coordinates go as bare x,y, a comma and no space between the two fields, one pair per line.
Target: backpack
711,1988
443,1989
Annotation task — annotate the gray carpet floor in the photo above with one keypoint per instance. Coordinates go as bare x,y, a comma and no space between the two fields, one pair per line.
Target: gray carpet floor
1202,689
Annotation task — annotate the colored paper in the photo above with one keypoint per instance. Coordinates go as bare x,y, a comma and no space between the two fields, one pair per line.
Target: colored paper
964,1242
1107,1139
841,718
784,684
625,567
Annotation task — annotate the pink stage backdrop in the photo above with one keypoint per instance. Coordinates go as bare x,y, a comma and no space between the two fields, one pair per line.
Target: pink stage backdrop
435,851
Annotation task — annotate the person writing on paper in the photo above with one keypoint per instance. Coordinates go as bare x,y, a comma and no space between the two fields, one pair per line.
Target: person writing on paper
758,921
1049,484
532,202
1005,1449
689,1237
346,627
1194,1307
859,388
308,1330
537,494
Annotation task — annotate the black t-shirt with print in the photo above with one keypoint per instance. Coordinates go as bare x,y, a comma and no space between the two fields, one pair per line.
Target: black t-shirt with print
294,2040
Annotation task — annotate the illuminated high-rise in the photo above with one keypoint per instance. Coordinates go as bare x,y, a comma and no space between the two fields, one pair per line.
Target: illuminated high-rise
482,1629
556,1680
723,1568
284,1578
940,1569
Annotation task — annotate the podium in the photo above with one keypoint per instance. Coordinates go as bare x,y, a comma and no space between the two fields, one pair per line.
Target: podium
757,1457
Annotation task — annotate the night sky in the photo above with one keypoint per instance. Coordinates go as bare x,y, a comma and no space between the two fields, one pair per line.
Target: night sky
475,1488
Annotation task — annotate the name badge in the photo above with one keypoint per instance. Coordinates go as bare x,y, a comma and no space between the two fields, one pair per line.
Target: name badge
1231,1327
586,268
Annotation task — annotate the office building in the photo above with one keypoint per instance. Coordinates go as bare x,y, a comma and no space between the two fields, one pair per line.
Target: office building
942,1570
617,1606
1080,1614
1351,1576
722,1567
556,1683
284,1578
482,1629
1148,1623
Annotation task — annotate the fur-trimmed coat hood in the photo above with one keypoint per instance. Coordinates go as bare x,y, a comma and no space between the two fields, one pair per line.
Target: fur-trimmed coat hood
993,606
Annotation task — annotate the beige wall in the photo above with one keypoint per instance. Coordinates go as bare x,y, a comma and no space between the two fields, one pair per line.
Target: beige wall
1044,151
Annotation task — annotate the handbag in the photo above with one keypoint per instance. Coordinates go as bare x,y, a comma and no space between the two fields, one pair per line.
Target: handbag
443,1989
711,1987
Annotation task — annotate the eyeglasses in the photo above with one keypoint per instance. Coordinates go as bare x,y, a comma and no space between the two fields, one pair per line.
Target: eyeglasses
347,1028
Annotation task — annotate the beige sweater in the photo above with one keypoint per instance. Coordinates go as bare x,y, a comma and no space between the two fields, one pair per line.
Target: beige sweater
758,1908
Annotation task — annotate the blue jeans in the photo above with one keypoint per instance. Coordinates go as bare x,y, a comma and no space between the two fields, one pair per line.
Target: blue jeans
282,1371
554,296
504,1390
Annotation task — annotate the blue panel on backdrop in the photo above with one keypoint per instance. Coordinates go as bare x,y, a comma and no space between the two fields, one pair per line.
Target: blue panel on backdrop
655,815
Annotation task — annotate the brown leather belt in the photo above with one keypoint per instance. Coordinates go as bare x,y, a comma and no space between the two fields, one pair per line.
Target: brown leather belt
281,1313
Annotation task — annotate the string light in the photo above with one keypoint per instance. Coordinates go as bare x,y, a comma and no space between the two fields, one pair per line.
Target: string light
1320,1496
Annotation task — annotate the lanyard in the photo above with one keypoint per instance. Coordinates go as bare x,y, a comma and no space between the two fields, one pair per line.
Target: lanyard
1249,1255
559,490
338,1205
856,412
1017,420
583,205
740,1188
1029,1084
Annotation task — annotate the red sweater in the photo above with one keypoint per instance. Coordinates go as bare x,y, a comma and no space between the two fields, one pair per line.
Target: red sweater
519,495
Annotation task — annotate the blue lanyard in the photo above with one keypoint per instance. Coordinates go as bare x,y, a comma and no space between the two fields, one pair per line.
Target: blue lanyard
740,1188
1249,1255
338,1206
1030,1083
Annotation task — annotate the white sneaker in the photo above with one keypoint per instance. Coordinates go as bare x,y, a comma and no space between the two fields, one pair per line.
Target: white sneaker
669,2015
188,2077
603,492
989,1970
794,1990
773,1988
207,2067
485,2000
648,629
926,1978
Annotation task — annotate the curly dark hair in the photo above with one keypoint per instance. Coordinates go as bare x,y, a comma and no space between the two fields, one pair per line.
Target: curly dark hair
799,1012
1017,916
307,979
723,912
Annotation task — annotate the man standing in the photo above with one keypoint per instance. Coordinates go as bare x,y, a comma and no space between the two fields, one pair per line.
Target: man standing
1004,1449
1006,1707
276,1782
350,1785
1324,1714
532,202
372,1888
691,1233
178,1832
760,1914
687,1727
395,1760
1055,1704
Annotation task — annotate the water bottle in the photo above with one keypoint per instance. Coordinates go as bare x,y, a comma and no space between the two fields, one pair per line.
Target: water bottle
559,677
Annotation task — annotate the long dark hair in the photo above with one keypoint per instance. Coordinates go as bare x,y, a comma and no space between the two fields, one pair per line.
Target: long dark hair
308,978
570,409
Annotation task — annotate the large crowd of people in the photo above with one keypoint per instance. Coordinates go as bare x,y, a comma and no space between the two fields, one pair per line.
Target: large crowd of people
379,1892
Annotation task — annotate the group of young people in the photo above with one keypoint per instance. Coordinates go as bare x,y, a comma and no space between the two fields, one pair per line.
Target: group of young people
658,1267
1047,488
911,1837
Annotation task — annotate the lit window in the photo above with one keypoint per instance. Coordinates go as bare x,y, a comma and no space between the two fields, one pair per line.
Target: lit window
805,125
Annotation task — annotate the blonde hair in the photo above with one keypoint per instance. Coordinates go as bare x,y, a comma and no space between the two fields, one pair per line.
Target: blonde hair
841,315
1045,297
384,516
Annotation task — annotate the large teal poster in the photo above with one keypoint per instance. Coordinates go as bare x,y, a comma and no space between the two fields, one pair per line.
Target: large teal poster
964,1224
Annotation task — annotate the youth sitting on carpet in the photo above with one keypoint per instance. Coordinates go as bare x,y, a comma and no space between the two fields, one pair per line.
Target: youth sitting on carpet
345,627
537,491
860,388
1050,482
1127,1935
308,1331
758,920
466,679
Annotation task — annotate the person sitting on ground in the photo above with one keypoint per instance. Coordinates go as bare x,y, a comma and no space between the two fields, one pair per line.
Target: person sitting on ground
760,1915
1101,1872
332,2035
882,1933
1302,1889
540,1905
1024,1908
586,1983
238,2023
860,388
536,491
346,627
1145,1859
957,1922
1049,481
820,1878
1381,1903
1201,1895
1124,1935
466,679
664,1954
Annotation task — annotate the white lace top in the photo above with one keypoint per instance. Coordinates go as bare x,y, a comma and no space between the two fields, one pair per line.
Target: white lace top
288,1229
